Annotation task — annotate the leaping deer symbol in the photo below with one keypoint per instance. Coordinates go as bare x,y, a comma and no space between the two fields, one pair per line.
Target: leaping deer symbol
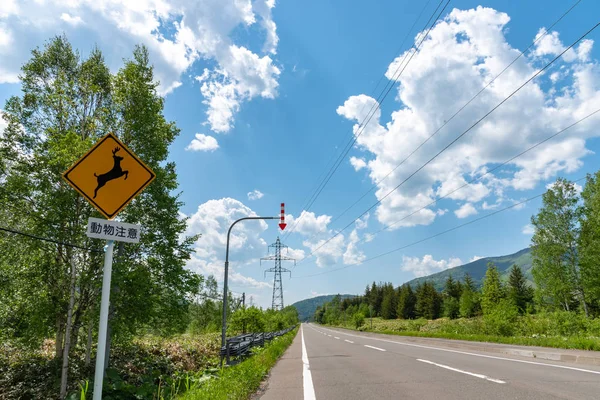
114,173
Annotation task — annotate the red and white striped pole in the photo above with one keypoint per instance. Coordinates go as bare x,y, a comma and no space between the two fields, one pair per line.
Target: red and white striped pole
282,223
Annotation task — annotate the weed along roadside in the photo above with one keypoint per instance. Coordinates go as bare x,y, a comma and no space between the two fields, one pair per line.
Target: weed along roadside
242,380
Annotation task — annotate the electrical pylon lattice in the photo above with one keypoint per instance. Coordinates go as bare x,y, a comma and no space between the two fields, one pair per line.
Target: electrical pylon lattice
277,269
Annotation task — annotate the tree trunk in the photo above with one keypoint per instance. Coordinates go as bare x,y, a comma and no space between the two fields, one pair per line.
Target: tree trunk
59,338
88,348
65,360
584,303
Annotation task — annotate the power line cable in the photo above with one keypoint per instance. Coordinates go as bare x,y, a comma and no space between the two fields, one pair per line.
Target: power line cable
455,140
29,235
538,38
433,236
369,116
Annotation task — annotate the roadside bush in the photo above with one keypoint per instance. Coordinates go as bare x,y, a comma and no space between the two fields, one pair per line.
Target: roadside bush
501,318
593,327
564,323
358,319
136,369
534,325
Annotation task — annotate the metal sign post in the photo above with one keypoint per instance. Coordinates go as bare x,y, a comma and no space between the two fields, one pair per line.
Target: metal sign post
107,272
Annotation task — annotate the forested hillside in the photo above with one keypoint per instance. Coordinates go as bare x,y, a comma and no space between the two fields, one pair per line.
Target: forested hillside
476,270
306,308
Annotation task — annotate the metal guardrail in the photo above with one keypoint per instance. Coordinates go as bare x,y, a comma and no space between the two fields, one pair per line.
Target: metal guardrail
239,346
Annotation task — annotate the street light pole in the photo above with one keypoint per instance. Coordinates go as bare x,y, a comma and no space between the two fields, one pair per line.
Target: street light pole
224,323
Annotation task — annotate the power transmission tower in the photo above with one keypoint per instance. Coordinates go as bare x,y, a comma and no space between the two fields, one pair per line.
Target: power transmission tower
277,269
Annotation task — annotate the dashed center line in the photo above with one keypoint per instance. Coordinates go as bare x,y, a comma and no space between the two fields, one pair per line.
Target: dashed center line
337,337
487,378
373,347
349,341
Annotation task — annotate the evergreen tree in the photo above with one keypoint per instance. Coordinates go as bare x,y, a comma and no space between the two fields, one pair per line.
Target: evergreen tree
492,291
428,301
469,299
468,283
389,303
452,292
519,292
406,302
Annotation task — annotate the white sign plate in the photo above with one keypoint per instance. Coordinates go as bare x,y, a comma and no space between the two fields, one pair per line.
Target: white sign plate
113,230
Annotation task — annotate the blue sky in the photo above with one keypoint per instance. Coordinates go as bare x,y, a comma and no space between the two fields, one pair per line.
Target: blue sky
266,93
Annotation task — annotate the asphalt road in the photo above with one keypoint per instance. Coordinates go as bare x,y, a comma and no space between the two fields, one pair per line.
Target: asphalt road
337,364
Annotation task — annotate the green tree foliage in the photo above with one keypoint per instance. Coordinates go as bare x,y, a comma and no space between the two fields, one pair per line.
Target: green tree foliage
428,301
469,305
205,312
451,303
589,242
554,248
406,302
518,291
389,302
492,291
375,298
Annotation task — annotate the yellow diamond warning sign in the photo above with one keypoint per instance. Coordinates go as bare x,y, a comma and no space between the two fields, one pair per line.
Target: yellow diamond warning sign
109,176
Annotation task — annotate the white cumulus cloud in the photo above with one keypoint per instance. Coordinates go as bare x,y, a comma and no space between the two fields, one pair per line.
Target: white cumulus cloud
203,143
427,265
461,55
71,20
465,211
357,163
308,223
255,195
528,229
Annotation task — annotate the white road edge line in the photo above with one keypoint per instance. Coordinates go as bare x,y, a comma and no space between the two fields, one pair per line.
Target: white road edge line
487,378
373,347
472,354
309,389
349,341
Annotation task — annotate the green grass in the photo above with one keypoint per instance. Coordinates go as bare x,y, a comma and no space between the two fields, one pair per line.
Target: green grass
544,331
242,380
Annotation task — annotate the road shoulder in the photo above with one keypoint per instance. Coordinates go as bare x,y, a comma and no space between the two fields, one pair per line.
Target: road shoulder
285,379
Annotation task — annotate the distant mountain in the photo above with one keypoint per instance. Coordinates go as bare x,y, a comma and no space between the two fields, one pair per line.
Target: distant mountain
306,308
477,269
